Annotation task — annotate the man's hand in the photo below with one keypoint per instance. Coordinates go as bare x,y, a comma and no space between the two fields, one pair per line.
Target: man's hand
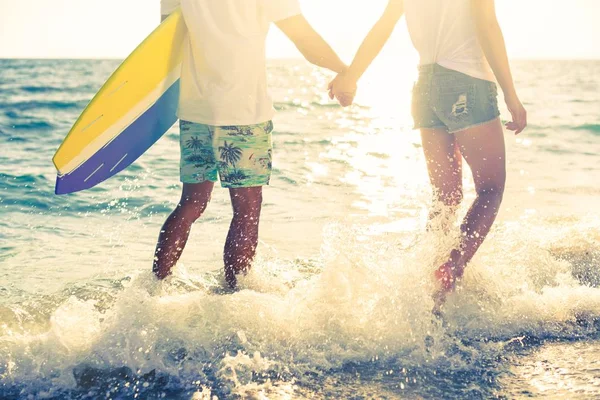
343,88
518,113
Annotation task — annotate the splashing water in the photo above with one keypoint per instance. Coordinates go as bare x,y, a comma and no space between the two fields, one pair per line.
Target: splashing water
339,302
364,308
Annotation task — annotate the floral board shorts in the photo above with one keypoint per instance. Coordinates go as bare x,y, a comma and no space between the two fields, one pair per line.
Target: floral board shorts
241,156
451,100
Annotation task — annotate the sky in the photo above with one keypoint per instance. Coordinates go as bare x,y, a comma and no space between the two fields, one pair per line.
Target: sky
534,29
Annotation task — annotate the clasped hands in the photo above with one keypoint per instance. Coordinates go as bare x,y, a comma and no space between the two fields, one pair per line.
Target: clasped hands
343,88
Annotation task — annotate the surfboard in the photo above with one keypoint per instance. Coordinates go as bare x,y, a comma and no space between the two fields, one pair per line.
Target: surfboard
132,110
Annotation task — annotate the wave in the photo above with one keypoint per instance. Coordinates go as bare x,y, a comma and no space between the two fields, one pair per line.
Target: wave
538,130
17,139
302,330
38,104
25,181
11,114
42,89
25,192
81,89
35,194
581,101
593,128
33,125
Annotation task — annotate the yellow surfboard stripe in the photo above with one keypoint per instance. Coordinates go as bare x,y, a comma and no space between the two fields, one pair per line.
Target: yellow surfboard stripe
148,72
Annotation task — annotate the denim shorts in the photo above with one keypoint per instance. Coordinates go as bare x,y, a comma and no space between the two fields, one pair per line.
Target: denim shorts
241,156
451,100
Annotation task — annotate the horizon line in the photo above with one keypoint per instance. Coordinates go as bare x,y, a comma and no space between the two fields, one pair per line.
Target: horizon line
597,58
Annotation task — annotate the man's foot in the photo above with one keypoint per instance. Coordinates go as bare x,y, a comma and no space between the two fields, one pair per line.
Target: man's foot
161,275
231,278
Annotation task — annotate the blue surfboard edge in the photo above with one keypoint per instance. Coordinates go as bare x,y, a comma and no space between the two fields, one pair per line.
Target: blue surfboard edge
126,148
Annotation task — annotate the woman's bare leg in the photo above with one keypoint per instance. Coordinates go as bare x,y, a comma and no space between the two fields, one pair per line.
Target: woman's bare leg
176,230
484,150
444,164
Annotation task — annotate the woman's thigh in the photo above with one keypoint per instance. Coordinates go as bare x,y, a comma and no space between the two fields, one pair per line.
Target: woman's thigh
484,150
444,164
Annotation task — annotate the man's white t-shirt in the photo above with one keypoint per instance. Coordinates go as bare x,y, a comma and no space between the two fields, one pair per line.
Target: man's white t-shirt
224,72
444,32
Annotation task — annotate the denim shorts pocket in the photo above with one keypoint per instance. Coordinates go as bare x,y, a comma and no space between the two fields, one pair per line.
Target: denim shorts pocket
456,102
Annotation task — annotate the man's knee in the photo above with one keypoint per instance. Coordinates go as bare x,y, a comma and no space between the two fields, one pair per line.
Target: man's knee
193,209
247,203
249,212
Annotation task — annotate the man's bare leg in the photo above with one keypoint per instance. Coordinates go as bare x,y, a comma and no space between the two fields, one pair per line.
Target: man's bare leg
242,240
175,232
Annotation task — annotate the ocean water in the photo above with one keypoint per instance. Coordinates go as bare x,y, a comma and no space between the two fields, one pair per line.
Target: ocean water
338,304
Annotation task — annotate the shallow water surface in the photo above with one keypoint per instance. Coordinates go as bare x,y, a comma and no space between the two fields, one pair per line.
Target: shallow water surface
338,304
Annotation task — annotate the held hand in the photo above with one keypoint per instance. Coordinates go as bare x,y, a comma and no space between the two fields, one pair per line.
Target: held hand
519,115
343,89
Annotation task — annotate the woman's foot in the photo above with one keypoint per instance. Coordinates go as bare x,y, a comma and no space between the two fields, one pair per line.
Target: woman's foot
446,278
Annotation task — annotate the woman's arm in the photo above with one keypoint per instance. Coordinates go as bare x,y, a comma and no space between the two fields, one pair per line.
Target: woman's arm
369,49
376,39
493,45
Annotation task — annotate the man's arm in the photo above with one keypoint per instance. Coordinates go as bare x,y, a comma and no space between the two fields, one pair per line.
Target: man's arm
493,45
368,51
312,46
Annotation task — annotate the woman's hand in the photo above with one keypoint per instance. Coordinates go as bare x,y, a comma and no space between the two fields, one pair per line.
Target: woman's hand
518,113
343,89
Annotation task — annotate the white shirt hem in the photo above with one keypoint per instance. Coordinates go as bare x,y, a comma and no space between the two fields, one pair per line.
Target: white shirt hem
225,122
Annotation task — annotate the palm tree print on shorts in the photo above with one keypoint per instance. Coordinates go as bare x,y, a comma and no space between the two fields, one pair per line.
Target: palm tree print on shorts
200,156
237,131
231,155
266,162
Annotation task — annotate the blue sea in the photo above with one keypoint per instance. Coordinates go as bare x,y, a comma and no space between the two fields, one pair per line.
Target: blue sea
338,305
